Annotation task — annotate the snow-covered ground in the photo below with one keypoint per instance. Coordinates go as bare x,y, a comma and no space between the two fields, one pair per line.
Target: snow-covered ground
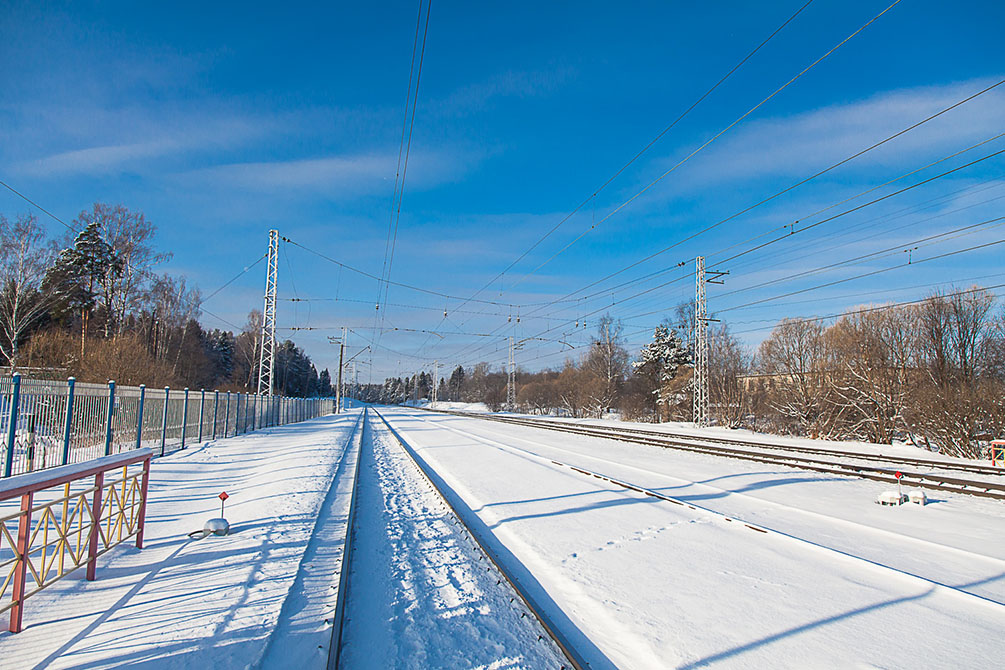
898,449
634,581
419,595
214,602
843,582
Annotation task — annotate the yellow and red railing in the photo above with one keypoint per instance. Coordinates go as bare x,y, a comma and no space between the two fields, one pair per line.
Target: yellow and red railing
66,518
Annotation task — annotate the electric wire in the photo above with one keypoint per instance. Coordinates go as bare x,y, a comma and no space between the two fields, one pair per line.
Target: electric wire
706,143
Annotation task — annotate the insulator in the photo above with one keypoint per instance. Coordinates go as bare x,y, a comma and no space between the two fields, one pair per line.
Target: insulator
378,305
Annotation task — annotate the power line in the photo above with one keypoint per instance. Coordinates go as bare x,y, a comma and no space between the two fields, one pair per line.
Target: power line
866,274
879,308
776,195
646,148
364,273
408,147
140,271
706,143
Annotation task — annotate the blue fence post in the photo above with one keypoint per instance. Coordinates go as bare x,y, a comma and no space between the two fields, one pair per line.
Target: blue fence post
226,420
109,417
15,404
184,417
254,410
237,414
139,417
216,402
202,406
70,383
164,418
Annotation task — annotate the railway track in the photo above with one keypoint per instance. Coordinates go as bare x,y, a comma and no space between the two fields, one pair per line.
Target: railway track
845,463
572,656
742,524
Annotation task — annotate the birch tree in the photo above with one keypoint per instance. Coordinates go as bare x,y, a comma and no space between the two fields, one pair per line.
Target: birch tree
25,256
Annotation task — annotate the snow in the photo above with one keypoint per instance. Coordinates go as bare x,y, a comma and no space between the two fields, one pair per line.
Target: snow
681,428
212,602
419,595
748,566
839,581
451,406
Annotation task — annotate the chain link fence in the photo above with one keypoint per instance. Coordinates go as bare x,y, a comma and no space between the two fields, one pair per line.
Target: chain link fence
45,423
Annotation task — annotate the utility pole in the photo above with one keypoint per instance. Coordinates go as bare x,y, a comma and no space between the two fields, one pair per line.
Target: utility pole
436,372
338,391
355,383
267,363
700,396
511,380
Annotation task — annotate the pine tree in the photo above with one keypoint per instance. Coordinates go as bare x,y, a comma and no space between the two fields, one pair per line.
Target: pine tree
660,361
79,271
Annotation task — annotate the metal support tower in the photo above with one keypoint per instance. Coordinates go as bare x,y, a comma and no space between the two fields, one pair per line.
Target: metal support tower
700,396
511,380
436,371
267,364
338,386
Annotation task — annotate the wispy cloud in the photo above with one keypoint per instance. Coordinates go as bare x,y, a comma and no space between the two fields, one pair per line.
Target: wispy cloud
344,175
796,144
118,140
508,84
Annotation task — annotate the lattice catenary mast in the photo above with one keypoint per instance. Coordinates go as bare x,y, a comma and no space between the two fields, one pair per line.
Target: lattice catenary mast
267,364
700,396
511,380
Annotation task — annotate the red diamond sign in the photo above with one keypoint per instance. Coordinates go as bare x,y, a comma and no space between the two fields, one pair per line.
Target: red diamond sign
224,496
897,474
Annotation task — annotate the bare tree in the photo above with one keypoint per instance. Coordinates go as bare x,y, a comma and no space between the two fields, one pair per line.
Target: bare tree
959,402
247,346
25,256
794,357
874,356
727,362
607,361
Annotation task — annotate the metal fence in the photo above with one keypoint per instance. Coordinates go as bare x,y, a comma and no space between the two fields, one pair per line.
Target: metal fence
45,423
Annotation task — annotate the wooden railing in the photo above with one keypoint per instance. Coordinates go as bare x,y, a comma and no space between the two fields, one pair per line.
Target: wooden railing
65,522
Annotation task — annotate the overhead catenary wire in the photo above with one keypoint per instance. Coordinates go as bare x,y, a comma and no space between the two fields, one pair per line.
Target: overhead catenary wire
404,162
644,149
818,223
141,271
879,308
777,194
369,275
706,143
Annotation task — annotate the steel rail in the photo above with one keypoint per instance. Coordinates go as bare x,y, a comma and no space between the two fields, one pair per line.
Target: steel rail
739,522
980,488
338,616
972,468
574,658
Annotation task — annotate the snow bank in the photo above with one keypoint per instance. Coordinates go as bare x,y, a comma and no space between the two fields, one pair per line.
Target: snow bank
185,603
843,583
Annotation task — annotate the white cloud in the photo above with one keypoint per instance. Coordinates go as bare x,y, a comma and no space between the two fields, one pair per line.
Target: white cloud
798,144
343,175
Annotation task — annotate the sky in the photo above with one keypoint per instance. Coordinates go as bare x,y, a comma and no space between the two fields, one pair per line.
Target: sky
220,123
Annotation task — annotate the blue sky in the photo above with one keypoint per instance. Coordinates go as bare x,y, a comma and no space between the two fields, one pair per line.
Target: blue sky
220,123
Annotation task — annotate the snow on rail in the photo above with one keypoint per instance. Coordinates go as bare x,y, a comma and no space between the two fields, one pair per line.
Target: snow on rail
420,593
654,584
